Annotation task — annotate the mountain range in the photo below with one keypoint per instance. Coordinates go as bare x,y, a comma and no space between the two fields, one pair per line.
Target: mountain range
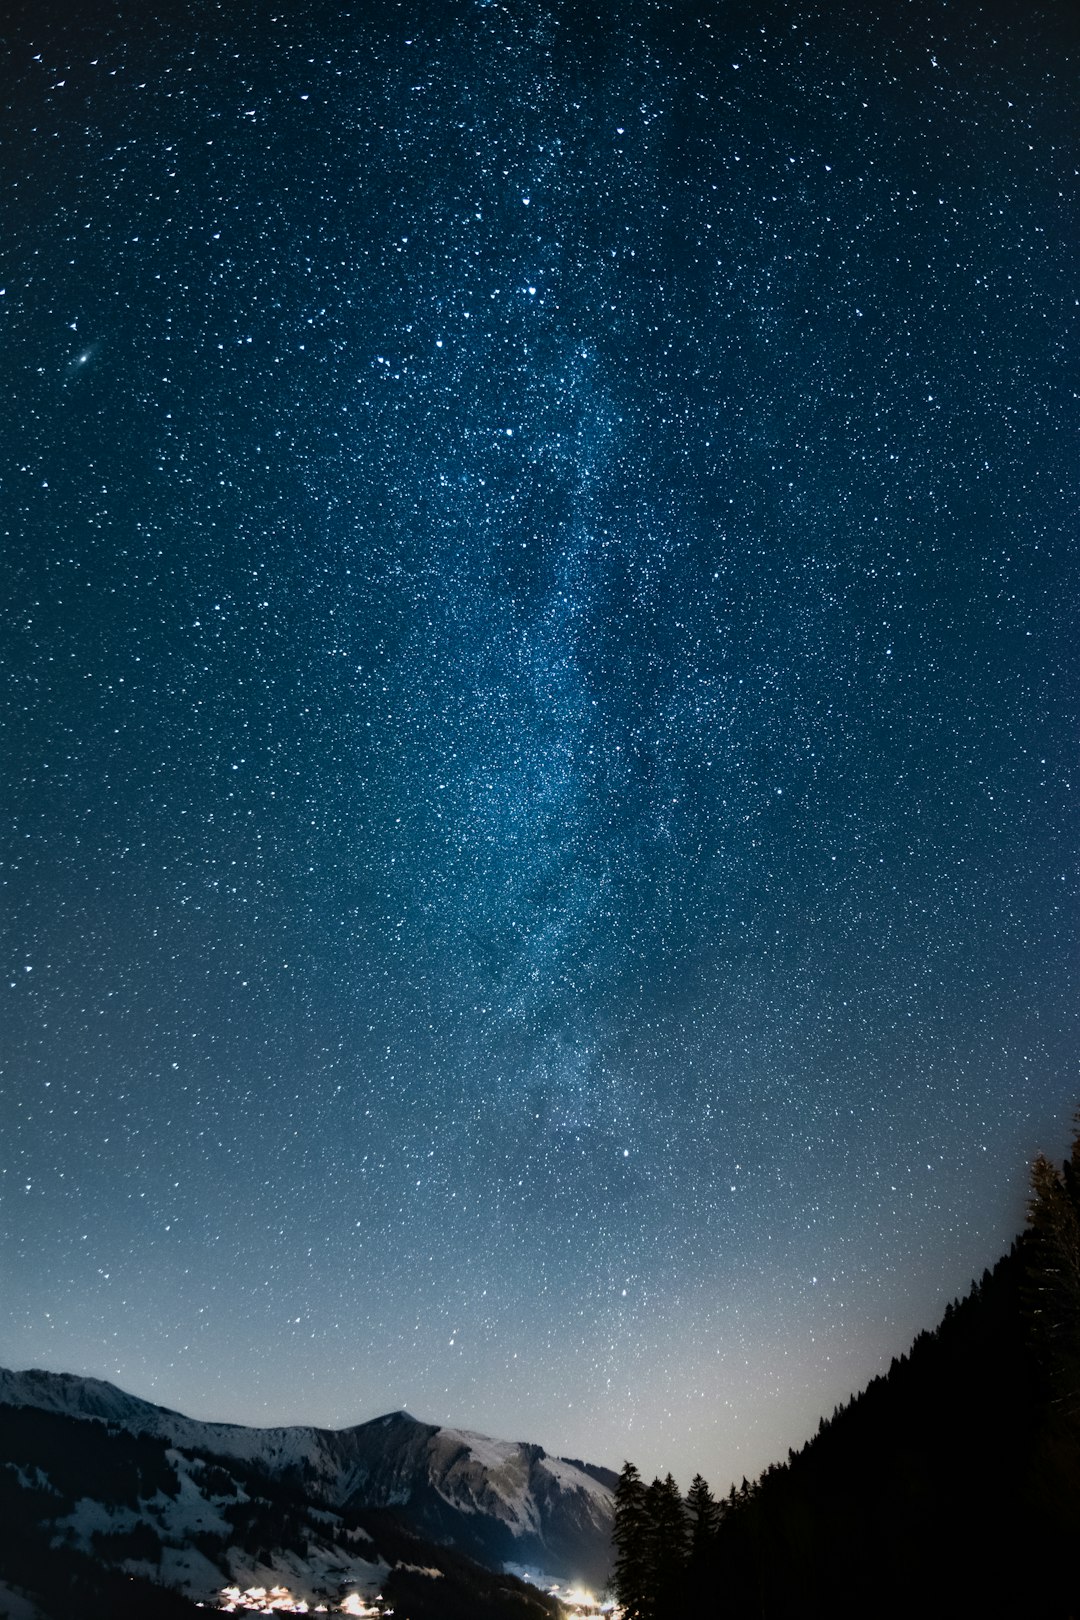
151,1494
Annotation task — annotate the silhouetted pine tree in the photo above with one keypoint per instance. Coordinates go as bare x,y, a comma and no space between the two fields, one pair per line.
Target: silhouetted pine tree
669,1539
704,1513
702,1507
632,1577
1054,1271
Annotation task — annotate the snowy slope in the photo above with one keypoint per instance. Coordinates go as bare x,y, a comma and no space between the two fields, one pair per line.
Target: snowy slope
501,1502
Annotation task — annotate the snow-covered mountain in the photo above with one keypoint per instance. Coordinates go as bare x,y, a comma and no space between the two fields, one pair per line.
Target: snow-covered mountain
500,1502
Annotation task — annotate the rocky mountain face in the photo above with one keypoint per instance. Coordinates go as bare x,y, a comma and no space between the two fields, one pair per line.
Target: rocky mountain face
195,1506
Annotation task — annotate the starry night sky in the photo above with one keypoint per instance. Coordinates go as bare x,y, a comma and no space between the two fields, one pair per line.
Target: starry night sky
539,622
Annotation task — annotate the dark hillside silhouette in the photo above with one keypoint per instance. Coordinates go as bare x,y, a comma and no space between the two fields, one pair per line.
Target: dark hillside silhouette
949,1486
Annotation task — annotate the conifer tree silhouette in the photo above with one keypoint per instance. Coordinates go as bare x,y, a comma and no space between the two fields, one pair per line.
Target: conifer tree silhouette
632,1577
1054,1270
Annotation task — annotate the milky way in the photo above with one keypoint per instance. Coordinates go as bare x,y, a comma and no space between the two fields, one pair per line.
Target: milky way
539,623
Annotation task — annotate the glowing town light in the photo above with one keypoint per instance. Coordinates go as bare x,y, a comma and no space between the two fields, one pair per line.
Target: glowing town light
260,1600
279,1600
581,1604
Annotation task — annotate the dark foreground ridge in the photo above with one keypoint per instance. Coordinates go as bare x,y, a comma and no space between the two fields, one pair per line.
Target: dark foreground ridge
949,1486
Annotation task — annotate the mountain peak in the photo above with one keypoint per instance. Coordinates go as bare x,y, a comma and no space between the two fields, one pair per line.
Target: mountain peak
499,1501
72,1392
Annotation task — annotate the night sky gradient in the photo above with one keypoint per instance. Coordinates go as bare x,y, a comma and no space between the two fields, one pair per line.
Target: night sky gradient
539,612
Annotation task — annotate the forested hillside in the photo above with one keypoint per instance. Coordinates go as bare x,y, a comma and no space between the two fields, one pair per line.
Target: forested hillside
951,1484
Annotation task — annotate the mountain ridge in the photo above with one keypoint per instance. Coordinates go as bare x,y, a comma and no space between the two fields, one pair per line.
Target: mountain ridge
498,1502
